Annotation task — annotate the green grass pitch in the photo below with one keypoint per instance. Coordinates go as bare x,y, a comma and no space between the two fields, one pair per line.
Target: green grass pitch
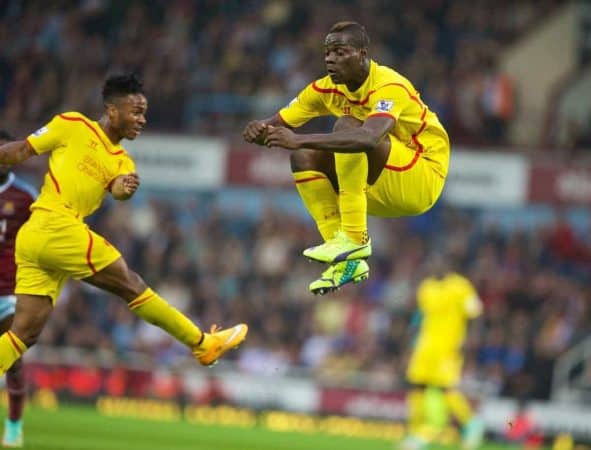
82,428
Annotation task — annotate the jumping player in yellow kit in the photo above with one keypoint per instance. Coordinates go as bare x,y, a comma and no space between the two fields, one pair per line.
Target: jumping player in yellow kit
86,163
387,156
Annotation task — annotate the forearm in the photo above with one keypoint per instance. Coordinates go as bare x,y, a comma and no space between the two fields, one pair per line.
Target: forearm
345,141
15,152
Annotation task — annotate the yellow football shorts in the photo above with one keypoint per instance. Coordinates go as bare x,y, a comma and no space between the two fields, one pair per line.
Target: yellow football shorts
435,368
410,183
52,247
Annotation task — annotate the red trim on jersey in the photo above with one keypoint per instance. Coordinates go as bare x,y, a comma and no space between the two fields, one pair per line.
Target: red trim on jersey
382,115
89,253
336,91
14,344
419,150
412,97
414,137
366,99
85,122
31,145
57,186
408,166
305,180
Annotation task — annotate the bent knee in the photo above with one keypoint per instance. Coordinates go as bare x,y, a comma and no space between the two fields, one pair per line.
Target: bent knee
307,159
132,286
346,123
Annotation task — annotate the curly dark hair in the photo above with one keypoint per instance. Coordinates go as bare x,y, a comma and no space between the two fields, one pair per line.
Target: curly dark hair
120,86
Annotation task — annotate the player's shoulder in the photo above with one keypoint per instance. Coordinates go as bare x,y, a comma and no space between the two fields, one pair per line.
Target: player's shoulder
63,120
459,279
385,75
72,116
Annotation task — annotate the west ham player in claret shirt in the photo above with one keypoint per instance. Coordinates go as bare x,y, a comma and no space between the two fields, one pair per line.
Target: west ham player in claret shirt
15,199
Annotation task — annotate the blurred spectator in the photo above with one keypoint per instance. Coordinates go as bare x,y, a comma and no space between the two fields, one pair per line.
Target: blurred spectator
202,78
497,100
227,265
534,311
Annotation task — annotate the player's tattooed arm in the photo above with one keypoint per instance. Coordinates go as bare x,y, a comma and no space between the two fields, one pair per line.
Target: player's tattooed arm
354,139
15,152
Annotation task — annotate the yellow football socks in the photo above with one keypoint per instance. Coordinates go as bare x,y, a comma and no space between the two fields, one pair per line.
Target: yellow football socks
155,310
458,406
320,200
11,349
352,171
416,410
435,414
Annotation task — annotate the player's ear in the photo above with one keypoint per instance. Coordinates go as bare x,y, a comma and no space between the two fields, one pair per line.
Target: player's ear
111,110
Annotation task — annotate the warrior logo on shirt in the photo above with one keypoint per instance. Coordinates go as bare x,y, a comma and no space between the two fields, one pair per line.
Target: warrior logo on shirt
384,105
92,144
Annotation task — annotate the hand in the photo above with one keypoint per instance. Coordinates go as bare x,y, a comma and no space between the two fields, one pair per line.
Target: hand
281,137
131,182
255,132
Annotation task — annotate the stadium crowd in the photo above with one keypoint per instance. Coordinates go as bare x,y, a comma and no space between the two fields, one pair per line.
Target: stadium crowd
209,66
227,266
209,74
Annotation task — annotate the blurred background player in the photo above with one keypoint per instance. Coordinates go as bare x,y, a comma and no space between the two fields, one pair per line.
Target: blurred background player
388,155
86,162
446,302
15,199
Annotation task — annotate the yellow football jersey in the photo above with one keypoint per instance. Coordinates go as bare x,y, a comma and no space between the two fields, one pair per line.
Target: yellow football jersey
446,305
384,92
82,165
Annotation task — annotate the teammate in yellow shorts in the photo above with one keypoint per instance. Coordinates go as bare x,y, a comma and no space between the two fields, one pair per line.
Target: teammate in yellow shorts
387,156
446,303
86,163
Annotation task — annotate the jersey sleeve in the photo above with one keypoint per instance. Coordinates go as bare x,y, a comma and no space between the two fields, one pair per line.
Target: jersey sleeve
389,100
48,137
126,166
470,302
307,105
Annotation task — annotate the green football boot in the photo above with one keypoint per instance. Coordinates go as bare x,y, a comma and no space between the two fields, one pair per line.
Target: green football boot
339,274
